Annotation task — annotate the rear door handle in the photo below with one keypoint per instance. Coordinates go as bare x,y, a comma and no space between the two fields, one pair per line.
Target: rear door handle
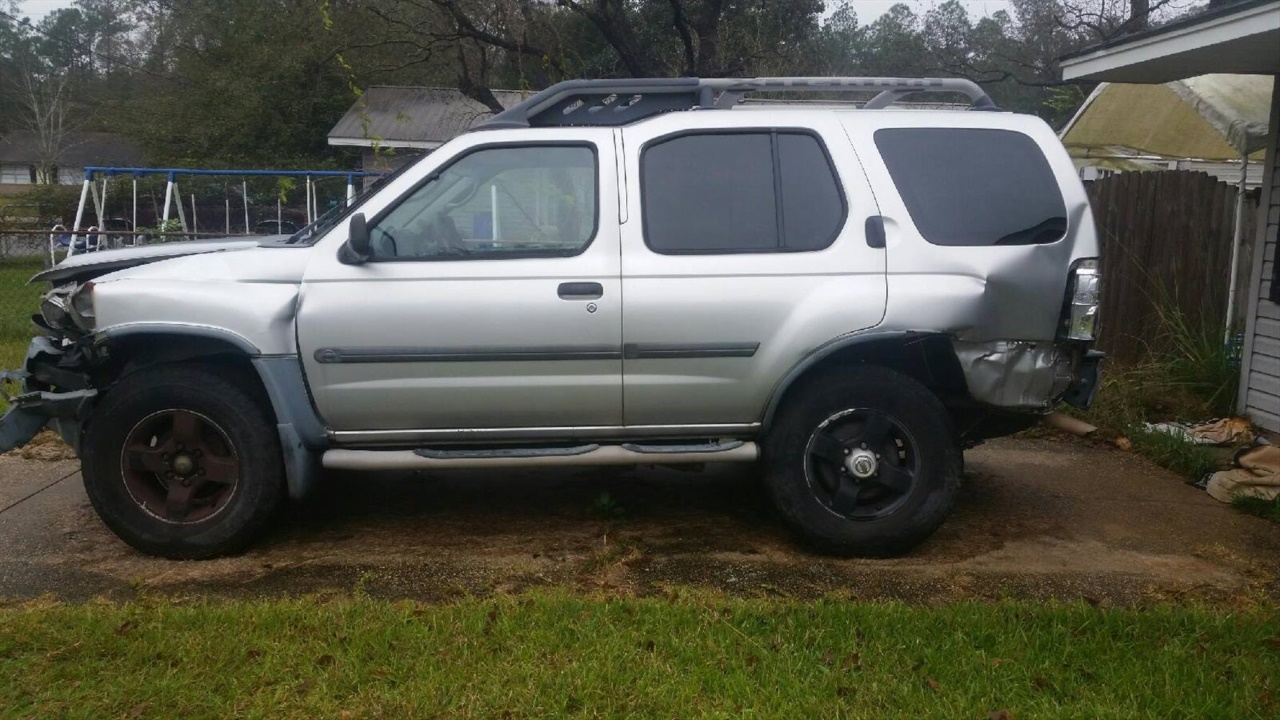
581,291
875,232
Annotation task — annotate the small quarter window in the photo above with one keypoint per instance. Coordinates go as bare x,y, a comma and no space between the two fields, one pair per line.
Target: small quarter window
739,192
974,186
812,206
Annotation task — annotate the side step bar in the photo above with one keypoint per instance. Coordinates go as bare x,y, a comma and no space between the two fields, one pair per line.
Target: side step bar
431,459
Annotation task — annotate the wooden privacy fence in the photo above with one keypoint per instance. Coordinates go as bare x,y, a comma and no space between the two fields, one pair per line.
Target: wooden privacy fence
1166,238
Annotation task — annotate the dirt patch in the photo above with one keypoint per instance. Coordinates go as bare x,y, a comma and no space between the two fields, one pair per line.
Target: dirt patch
46,446
1037,518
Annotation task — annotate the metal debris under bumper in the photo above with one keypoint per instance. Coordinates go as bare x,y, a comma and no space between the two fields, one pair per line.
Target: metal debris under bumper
345,459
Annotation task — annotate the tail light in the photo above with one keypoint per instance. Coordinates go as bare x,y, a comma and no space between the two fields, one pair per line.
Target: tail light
1084,292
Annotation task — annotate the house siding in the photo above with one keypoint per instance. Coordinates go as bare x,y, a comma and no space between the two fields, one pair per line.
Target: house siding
1260,371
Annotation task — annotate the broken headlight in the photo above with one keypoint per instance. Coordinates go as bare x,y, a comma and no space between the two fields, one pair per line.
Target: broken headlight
69,306
1084,294
82,306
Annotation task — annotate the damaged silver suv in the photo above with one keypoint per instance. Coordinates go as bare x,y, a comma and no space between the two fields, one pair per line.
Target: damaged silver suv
611,272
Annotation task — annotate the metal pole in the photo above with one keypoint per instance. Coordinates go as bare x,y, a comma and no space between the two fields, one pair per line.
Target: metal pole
494,227
244,189
135,210
75,230
53,244
102,220
97,203
351,189
195,221
308,200
177,201
1236,236
227,199
97,206
168,200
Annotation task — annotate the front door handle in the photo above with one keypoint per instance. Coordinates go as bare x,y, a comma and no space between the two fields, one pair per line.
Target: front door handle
581,291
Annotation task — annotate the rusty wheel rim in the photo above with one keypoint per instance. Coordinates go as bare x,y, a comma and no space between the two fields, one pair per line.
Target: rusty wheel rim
180,467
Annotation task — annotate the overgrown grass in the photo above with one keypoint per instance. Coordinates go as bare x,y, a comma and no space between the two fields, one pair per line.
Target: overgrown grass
554,655
1189,375
1266,509
1187,459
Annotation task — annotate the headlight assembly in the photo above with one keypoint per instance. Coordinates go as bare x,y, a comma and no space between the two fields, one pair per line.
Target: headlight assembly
69,307
82,306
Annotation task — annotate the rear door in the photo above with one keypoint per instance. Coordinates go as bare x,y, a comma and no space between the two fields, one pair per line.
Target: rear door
744,250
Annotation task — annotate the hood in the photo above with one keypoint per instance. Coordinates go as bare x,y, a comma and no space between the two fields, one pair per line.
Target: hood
266,263
85,266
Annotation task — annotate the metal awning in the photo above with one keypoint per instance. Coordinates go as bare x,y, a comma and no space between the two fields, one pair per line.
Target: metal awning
1242,38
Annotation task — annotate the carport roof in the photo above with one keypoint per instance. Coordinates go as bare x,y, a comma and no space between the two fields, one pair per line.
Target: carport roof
412,117
1242,38
1212,117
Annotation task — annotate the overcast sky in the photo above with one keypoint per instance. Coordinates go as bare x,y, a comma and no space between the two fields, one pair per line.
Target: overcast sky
868,10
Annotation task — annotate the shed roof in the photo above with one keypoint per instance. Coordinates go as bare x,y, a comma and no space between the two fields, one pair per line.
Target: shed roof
79,150
416,117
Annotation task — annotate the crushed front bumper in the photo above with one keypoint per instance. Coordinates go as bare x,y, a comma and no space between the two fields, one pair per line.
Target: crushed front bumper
49,391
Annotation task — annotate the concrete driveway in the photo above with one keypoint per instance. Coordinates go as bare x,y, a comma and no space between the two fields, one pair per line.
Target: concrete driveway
1043,518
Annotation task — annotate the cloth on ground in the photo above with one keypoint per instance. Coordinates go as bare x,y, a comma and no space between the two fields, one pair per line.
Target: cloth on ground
1258,475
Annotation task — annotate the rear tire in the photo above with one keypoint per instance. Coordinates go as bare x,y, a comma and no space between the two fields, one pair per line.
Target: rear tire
183,462
863,462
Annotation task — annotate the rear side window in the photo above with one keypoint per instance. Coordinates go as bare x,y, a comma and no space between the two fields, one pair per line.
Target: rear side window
974,187
739,192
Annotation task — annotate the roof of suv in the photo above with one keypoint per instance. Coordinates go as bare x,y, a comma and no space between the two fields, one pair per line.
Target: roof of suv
611,103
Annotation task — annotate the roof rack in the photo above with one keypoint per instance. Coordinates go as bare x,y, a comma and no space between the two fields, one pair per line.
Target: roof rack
619,102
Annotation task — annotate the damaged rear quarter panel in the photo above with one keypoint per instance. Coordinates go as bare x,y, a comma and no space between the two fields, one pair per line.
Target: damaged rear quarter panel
976,293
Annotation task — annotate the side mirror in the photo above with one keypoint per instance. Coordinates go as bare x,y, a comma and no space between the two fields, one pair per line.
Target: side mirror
356,251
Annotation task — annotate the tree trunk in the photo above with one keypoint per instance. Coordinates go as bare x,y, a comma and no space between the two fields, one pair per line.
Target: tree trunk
1138,15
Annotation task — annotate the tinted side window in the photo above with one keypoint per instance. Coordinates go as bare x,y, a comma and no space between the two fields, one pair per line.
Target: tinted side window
710,193
974,187
812,205
739,192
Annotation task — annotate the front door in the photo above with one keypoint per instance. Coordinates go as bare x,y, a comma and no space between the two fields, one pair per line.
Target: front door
492,299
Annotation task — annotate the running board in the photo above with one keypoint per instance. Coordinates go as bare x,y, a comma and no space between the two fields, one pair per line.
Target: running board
431,459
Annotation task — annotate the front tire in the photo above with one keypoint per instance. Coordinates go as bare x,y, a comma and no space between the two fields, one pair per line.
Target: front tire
864,462
183,462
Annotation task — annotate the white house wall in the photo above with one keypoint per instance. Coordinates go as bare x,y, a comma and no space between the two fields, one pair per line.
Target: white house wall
1260,371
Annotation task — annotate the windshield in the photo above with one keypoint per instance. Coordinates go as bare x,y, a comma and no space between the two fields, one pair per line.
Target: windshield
336,214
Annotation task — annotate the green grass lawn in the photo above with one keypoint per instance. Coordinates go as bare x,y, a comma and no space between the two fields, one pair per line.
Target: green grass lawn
554,655
18,301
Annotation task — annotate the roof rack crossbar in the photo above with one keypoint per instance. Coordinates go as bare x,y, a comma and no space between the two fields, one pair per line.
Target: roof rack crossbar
618,102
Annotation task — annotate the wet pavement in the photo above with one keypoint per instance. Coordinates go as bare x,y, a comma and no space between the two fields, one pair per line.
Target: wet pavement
1041,518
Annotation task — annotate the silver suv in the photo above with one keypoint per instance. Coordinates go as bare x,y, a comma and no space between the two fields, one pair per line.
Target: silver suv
609,273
